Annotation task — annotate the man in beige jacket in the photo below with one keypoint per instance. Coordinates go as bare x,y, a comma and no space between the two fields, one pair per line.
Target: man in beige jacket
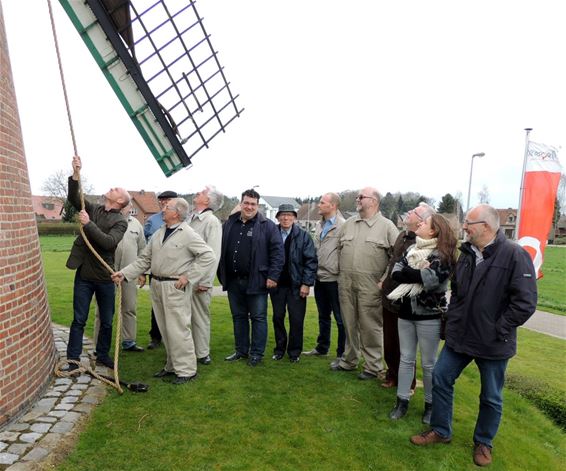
326,287
365,247
176,256
209,227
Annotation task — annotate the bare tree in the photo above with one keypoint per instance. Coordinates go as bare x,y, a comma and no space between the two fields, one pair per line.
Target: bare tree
483,195
55,187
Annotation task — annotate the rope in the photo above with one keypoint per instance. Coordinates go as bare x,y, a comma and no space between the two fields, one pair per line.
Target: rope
58,371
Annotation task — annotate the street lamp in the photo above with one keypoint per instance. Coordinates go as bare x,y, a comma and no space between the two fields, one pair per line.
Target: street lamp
480,154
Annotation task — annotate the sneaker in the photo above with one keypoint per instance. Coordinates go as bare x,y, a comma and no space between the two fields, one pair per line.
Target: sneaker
205,360
428,438
315,353
277,356
154,344
482,454
365,375
294,359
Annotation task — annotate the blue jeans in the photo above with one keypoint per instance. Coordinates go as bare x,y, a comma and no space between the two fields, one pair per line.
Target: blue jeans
327,303
82,295
425,333
447,369
245,308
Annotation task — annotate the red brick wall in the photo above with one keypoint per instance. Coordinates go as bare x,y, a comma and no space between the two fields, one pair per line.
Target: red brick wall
27,349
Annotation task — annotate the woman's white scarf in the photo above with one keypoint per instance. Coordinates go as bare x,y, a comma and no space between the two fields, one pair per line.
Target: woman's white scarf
416,258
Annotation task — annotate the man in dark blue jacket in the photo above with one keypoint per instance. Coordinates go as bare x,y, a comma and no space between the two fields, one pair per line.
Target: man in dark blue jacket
251,261
493,292
297,277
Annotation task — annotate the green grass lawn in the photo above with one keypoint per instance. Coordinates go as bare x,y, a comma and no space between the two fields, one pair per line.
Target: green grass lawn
283,416
552,286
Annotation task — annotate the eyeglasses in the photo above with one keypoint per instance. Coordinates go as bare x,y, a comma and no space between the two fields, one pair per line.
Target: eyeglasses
412,211
471,223
361,197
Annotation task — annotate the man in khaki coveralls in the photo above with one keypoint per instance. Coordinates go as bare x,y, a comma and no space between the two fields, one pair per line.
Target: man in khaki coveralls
209,227
176,255
365,245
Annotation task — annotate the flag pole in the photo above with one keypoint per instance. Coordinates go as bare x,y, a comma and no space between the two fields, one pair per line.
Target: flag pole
522,189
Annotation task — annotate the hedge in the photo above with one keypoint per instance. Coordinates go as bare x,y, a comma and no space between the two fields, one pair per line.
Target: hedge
57,228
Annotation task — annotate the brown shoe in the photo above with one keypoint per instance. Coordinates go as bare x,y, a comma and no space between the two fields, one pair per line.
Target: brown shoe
389,383
428,438
482,454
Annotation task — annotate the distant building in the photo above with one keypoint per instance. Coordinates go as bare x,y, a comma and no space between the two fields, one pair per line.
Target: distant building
270,204
507,221
144,204
47,208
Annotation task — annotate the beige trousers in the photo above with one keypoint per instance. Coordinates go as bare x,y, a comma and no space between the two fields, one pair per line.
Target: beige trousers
360,305
200,322
172,308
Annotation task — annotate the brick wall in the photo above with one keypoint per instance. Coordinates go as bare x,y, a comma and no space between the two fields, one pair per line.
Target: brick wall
27,349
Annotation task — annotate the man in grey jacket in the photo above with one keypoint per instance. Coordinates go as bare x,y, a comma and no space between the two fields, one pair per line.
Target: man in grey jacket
326,285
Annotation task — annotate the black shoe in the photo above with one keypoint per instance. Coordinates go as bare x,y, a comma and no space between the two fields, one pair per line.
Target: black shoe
107,362
183,379
427,414
294,359
205,360
154,344
366,375
400,409
163,373
335,366
254,361
235,356
277,356
70,367
133,348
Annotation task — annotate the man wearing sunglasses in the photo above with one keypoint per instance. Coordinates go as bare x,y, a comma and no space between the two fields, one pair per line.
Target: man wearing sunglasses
365,247
493,292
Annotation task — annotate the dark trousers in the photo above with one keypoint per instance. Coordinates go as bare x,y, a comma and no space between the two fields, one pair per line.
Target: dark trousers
154,332
391,352
285,298
327,303
245,308
83,291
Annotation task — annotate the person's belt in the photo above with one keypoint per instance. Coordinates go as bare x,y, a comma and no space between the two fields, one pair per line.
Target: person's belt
164,278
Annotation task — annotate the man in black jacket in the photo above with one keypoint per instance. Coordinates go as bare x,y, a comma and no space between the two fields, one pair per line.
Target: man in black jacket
493,292
104,226
251,260
297,277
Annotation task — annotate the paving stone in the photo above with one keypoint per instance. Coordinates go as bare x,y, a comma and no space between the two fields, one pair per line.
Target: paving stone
84,379
18,427
60,381
74,392
40,427
51,440
69,400
47,419
91,400
46,402
80,387
8,458
36,454
31,437
86,408
62,427
31,415
64,406
70,417
19,448
9,436
61,388
3,445
57,413
53,394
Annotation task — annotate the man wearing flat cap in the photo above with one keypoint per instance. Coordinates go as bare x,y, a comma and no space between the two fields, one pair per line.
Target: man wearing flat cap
152,224
297,277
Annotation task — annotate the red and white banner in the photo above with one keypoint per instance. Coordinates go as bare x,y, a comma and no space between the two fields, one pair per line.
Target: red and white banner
540,184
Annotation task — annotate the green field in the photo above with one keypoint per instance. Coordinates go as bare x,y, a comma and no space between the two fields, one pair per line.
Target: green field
552,286
283,416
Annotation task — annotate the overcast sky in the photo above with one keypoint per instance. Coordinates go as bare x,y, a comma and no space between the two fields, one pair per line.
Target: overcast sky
337,95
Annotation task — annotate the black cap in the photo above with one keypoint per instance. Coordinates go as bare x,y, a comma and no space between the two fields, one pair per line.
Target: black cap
167,195
286,208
